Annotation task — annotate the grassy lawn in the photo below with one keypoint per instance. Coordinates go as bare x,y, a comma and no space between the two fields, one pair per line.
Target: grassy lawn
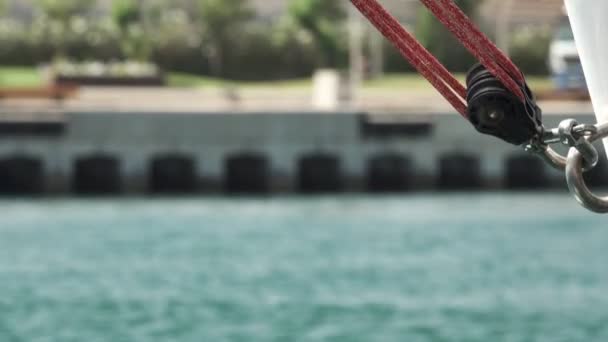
20,77
194,81
31,77
415,81
388,81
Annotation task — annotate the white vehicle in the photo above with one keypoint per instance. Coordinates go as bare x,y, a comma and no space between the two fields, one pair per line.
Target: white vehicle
564,60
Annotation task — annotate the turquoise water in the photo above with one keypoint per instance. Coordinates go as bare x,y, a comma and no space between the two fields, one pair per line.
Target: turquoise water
421,268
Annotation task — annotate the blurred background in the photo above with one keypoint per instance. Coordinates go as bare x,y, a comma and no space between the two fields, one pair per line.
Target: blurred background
204,43
273,170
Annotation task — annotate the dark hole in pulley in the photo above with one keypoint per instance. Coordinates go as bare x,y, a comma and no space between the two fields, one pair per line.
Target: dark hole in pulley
495,110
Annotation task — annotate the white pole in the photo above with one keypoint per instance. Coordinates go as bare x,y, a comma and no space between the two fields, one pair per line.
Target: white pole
590,24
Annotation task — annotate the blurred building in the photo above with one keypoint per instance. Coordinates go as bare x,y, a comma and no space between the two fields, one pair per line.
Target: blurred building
523,13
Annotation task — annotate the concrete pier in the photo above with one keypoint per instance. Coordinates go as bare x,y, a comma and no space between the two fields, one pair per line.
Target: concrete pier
137,152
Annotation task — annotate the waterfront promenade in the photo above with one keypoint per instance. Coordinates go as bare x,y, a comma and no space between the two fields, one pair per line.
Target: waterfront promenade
258,140
253,99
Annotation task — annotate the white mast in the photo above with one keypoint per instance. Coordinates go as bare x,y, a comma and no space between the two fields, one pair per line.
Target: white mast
589,19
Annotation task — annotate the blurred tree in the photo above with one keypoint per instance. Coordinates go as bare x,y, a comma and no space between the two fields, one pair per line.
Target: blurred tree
64,10
126,13
130,16
322,20
221,23
59,15
529,50
435,37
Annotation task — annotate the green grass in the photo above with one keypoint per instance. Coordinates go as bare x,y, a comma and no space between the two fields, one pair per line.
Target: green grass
31,77
182,80
540,83
194,81
415,81
392,81
388,81
20,77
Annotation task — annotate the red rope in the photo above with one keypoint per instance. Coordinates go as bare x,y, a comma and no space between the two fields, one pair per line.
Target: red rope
456,21
418,56
478,44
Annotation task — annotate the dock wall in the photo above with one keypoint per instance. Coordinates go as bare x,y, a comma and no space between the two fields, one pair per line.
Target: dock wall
111,153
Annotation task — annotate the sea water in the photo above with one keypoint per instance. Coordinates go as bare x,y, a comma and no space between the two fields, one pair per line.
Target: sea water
503,267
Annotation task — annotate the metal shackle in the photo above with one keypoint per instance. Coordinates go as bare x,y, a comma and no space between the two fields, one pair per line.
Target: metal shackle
576,182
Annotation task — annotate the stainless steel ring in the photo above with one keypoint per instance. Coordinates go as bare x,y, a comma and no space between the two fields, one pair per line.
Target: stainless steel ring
556,160
585,129
576,182
573,134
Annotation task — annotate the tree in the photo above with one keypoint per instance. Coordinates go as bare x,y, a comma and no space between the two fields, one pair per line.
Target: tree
126,13
59,14
221,21
64,10
321,19
130,17
437,39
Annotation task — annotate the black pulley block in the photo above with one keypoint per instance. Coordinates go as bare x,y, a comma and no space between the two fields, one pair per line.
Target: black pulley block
495,110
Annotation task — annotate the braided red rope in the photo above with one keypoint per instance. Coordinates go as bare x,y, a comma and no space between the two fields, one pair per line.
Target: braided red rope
451,16
418,56
478,44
